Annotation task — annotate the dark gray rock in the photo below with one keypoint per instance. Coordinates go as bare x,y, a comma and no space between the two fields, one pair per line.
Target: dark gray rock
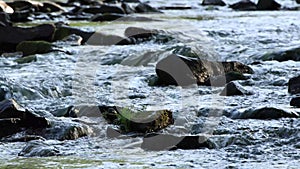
103,9
184,71
268,5
294,85
159,142
295,102
4,19
20,16
145,8
127,8
283,55
234,89
24,5
244,5
39,148
213,2
298,1
265,113
219,80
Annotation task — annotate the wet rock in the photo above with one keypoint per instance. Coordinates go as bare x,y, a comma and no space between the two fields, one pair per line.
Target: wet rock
34,47
268,5
5,92
265,113
12,36
298,1
103,9
4,19
70,111
294,85
145,8
221,80
63,31
84,2
139,35
213,2
159,142
283,55
5,8
295,102
25,5
127,9
234,89
244,5
39,148
104,40
183,71
20,16
13,115
26,59
141,122
119,17
51,7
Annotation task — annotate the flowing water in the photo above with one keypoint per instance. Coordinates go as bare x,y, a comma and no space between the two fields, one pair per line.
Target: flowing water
90,77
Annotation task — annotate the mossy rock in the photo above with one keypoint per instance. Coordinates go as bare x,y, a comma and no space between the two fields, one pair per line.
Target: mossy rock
34,47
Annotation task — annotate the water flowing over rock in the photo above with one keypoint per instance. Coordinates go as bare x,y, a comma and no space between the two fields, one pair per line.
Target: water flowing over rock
184,71
39,148
213,2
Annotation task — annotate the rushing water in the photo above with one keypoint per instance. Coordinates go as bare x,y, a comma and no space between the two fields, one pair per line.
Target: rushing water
58,80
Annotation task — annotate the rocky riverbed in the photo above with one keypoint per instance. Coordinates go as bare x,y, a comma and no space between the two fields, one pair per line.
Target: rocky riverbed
164,84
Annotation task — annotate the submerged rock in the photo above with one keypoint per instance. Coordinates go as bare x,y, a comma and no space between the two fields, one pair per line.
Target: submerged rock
159,142
39,148
213,2
268,5
17,118
34,47
11,36
141,122
26,59
244,5
234,89
265,113
294,85
283,55
184,71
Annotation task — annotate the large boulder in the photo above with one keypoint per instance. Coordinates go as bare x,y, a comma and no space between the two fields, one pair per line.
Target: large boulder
265,113
213,2
244,5
294,85
16,118
184,71
283,55
140,122
5,8
11,36
268,5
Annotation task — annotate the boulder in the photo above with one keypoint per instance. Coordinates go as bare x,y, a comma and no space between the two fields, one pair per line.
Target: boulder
295,102
25,5
20,16
139,35
283,55
234,89
184,71
159,142
140,122
244,5
294,85
5,8
268,5
103,9
51,7
17,118
11,36
34,47
63,31
265,113
145,8
213,2
39,148
26,59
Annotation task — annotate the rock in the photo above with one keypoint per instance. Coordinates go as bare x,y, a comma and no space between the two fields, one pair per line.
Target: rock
39,148
141,122
84,2
294,85
26,59
51,7
4,19
63,31
17,118
103,9
244,5
283,55
12,36
20,16
34,47
268,5
298,1
234,89
25,5
104,40
5,92
70,111
221,80
159,142
183,71
138,35
5,8
119,17
265,113
295,102
127,9
213,2
145,8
